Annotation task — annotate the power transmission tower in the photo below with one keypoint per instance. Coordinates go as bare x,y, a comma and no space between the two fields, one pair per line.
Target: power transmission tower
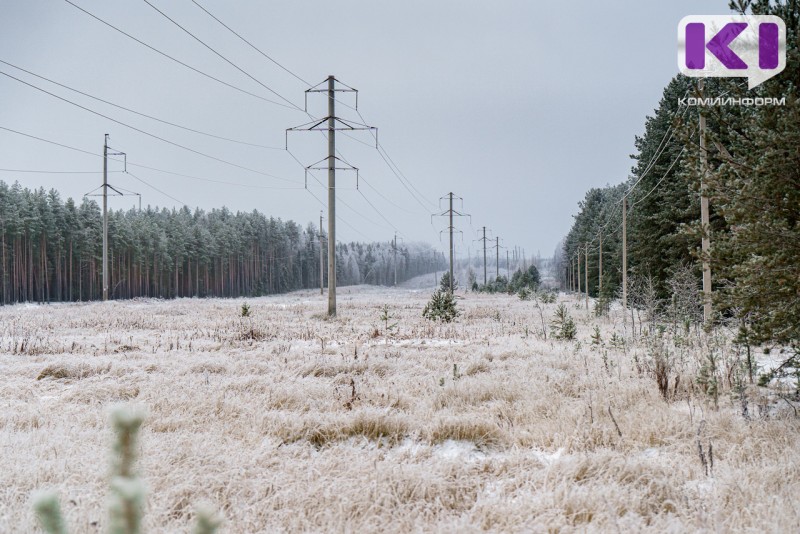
704,216
451,213
119,191
497,248
329,124
394,249
435,269
484,239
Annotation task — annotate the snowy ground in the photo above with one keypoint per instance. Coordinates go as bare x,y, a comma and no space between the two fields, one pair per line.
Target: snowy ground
333,426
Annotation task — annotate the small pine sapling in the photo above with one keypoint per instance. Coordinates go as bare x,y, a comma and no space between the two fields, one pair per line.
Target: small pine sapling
127,491
387,316
563,326
441,307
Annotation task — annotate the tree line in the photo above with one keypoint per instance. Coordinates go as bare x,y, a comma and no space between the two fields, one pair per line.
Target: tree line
752,179
51,251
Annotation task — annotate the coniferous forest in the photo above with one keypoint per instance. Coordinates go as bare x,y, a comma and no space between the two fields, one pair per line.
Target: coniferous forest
752,180
51,251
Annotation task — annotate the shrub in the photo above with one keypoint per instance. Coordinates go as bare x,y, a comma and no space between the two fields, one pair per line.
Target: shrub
127,491
444,284
563,327
441,307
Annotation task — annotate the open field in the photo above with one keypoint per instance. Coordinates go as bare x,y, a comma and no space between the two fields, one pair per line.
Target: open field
289,422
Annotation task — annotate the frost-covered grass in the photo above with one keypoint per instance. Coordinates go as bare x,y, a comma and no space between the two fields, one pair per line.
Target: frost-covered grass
286,421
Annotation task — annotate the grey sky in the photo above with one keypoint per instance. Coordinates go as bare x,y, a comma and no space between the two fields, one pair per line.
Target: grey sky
517,106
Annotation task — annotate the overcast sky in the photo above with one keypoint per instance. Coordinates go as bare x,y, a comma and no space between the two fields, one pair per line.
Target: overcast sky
517,106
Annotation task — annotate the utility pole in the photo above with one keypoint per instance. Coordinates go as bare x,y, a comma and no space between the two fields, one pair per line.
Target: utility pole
497,252
624,259
450,213
586,274
497,248
485,277
104,194
105,217
435,270
321,258
704,216
394,249
600,275
320,125
508,269
331,196
452,247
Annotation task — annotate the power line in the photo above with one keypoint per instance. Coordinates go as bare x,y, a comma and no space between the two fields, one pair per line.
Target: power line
178,61
254,47
51,142
133,164
144,132
297,77
31,171
396,170
660,180
194,130
338,218
151,186
234,65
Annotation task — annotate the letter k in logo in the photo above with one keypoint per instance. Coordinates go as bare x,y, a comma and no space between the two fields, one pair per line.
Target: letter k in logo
718,45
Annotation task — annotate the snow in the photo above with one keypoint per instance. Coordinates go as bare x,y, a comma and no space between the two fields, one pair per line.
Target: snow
317,424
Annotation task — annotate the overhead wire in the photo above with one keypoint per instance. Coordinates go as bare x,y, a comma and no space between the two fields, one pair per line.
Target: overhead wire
32,171
234,65
178,61
135,164
151,117
254,47
151,186
144,132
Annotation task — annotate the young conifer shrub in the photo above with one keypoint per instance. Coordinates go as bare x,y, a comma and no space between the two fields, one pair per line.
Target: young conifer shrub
563,326
127,491
441,307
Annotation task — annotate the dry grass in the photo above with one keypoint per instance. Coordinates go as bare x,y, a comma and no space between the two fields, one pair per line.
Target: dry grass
317,425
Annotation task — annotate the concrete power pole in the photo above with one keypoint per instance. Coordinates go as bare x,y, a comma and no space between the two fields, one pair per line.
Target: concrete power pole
586,274
600,275
331,196
451,242
497,253
394,248
485,278
704,216
450,213
319,125
435,270
321,258
104,194
105,217
624,259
